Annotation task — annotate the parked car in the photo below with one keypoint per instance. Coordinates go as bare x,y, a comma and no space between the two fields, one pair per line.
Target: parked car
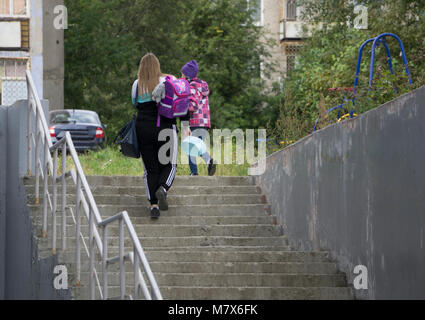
87,132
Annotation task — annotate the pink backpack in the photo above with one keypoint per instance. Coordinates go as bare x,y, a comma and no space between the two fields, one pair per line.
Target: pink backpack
176,101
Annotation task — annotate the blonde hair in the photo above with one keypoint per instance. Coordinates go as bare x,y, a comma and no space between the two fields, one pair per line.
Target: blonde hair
149,73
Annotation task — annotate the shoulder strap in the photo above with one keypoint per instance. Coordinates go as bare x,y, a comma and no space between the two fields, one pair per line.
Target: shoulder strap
137,93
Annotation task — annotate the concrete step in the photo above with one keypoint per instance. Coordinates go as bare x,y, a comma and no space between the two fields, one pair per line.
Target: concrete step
179,181
239,293
216,241
179,210
220,267
245,267
229,279
141,190
183,230
256,293
248,256
172,220
179,200
217,256
165,241
45,250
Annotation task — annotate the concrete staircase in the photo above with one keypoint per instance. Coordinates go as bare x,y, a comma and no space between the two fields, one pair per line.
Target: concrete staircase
216,241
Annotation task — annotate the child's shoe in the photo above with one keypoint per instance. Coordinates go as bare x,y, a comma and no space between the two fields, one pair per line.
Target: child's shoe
211,167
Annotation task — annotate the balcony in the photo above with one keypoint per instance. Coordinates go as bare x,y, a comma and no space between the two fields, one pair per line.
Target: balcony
293,30
291,26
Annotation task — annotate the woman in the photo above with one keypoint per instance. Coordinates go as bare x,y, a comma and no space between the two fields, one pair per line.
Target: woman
158,176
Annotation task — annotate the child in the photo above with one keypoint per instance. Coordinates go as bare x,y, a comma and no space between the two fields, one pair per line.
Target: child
199,113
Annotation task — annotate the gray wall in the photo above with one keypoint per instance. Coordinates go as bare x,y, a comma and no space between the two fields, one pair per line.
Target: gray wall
3,163
357,189
22,274
36,45
53,56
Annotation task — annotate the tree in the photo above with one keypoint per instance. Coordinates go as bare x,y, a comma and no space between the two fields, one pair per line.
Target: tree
230,50
106,39
99,57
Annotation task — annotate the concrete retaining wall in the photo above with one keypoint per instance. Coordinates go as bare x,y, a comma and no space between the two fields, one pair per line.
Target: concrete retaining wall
3,164
358,189
22,274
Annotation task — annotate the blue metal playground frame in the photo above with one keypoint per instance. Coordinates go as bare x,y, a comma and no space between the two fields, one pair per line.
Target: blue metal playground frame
381,39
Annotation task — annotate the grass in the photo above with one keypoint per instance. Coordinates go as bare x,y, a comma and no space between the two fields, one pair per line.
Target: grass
110,161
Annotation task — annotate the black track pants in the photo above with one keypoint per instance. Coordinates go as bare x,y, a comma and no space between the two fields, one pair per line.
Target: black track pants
153,152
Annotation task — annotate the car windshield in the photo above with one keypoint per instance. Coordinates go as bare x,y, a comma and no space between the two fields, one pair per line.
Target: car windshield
73,117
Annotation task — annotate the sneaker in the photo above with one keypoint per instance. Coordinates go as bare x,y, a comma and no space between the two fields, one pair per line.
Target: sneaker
155,213
193,174
211,167
161,195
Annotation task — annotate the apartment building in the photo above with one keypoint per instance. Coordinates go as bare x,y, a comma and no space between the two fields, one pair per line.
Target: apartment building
29,40
290,33
281,19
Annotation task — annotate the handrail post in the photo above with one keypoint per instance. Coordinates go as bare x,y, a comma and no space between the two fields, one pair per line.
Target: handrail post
55,193
78,230
122,266
63,197
55,160
105,262
91,251
136,272
142,256
29,133
54,177
45,188
36,160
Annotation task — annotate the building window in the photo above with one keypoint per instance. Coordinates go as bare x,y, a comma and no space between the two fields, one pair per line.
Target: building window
291,10
16,35
257,7
14,8
14,25
291,55
12,80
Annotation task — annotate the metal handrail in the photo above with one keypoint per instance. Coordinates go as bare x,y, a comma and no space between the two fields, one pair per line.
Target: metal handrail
86,201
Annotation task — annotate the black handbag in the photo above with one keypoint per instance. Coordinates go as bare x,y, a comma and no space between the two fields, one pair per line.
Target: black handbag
127,139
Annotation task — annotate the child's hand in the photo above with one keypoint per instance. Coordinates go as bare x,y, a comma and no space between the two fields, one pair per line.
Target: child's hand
186,133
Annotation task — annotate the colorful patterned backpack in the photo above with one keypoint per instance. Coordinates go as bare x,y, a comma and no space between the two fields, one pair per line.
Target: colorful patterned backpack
176,101
199,109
